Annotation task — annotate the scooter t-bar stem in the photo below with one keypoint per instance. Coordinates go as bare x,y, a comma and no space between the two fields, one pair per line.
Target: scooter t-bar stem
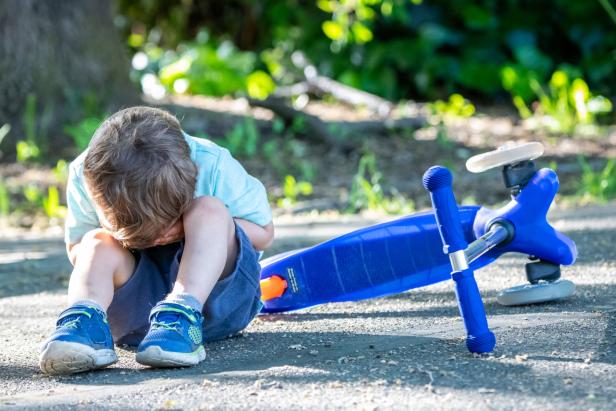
438,181
497,234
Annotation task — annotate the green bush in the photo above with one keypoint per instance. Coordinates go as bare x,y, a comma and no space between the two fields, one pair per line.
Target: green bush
204,66
395,48
561,107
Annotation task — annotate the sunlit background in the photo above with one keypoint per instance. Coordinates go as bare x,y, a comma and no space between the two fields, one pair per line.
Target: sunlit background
337,105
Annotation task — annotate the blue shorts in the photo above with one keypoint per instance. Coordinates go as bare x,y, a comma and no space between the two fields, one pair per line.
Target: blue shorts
233,303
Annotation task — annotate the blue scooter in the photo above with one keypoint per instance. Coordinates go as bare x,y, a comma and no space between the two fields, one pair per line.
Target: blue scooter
425,248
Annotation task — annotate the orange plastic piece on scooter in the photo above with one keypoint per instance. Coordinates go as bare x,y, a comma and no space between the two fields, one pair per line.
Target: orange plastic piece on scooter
272,287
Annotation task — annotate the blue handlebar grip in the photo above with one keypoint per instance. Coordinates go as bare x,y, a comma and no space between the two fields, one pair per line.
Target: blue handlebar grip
438,181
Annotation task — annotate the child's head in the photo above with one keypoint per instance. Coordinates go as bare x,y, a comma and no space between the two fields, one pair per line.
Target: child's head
139,173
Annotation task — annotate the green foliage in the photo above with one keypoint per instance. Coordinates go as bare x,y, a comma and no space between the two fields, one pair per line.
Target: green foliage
367,191
259,84
350,19
34,197
608,9
454,108
292,190
597,186
29,150
5,199
395,48
203,66
36,200
565,105
51,204
82,132
243,139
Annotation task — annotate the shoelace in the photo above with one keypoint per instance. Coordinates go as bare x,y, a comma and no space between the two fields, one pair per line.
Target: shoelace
74,323
69,322
172,326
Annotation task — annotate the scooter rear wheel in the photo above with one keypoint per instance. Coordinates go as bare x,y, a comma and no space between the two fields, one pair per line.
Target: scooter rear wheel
536,293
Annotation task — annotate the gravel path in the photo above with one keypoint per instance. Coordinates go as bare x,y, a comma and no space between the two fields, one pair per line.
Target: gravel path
400,352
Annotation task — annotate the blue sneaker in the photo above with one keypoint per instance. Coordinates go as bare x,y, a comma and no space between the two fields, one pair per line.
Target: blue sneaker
81,342
175,338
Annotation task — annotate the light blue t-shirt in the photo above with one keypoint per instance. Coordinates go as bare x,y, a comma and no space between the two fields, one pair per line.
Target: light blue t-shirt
219,175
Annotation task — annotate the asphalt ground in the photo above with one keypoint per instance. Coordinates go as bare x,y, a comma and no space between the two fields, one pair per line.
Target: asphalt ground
404,351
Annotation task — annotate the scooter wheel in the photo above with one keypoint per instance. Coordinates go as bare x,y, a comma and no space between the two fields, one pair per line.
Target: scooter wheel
504,155
536,293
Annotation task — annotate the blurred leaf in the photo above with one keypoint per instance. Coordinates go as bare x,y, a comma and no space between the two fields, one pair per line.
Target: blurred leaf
559,79
333,30
51,204
599,104
27,151
361,32
32,194
5,199
259,85
326,5
135,40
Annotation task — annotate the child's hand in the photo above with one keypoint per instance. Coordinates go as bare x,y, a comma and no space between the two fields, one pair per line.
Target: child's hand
173,234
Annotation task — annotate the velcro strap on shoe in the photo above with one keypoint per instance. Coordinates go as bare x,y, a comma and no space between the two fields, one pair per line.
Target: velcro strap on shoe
173,308
72,311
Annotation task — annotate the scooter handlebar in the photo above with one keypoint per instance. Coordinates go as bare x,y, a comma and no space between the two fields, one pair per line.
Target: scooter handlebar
438,181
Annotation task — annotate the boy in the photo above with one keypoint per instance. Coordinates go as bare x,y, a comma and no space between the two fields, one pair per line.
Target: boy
162,232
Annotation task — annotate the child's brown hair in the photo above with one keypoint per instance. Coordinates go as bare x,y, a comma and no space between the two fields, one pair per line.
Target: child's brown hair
139,172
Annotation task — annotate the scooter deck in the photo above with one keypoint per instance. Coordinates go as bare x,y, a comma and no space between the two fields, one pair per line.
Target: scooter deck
374,261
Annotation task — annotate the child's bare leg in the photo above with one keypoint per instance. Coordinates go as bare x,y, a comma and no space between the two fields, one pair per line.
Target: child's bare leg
101,266
210,248
82,340
210,251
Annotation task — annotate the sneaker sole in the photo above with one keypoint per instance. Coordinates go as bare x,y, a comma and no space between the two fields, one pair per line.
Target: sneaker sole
155,356
63,357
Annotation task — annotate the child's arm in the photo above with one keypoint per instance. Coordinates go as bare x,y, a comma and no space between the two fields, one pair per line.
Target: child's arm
260,237
246,200
71,251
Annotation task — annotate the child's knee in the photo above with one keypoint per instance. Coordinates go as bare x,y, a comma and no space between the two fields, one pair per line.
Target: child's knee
206,208
99,240
99,245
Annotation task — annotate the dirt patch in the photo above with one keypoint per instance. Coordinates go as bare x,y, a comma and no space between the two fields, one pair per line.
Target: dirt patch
401,157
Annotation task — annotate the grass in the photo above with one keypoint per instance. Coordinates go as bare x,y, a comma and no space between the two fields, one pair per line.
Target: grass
597,186
367,192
